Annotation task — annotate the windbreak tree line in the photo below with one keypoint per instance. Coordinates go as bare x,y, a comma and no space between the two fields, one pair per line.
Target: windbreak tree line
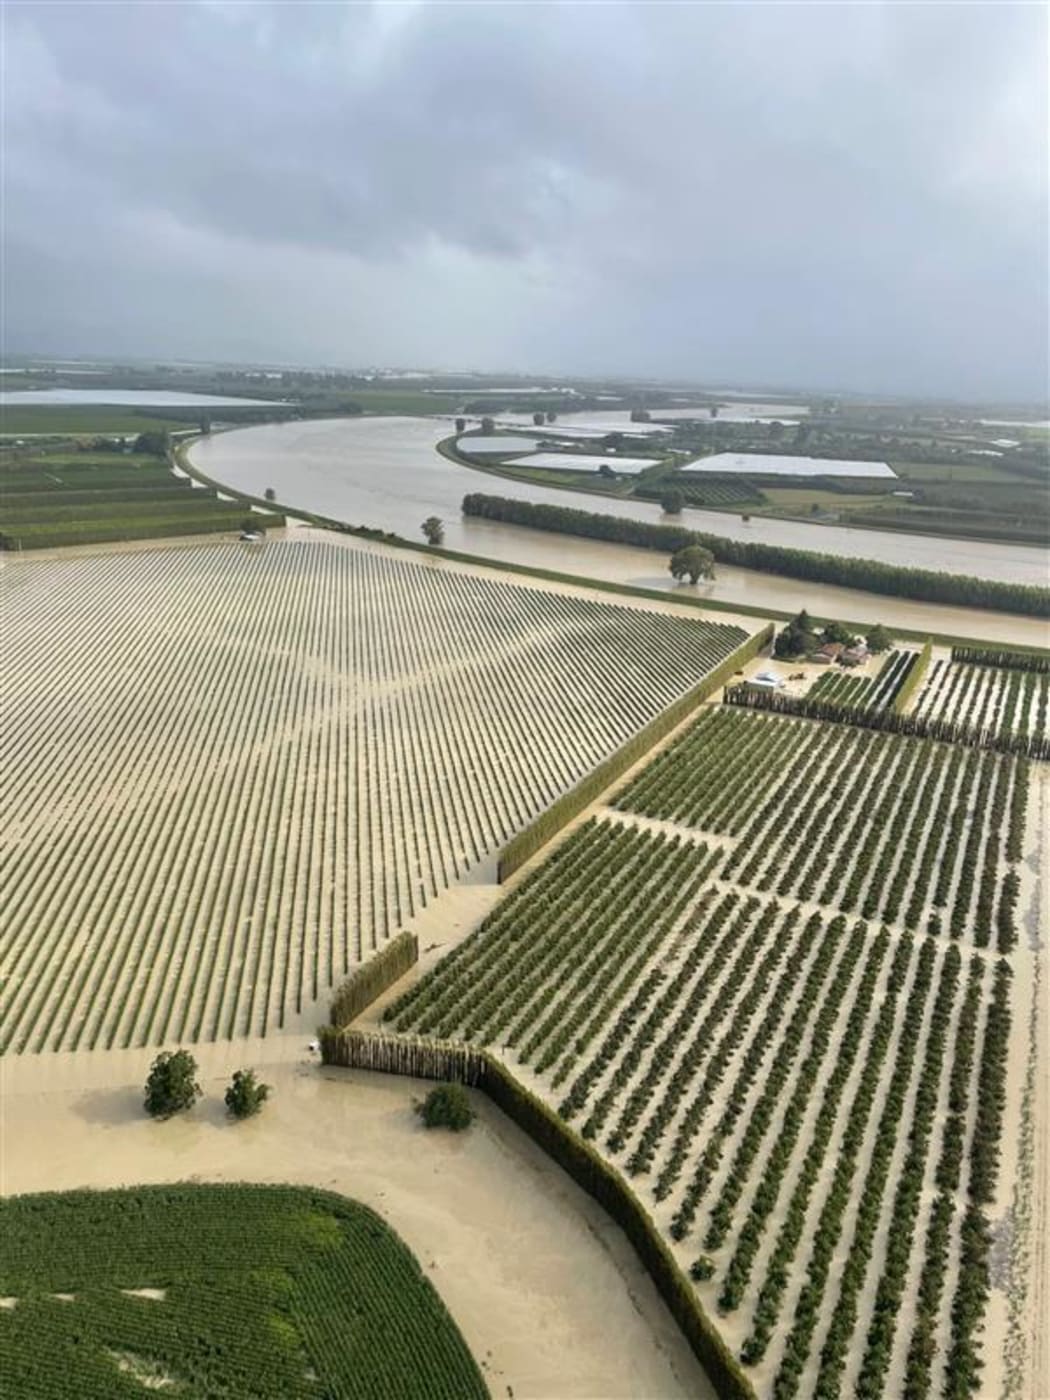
922,584
756,1007
890,721
1007,660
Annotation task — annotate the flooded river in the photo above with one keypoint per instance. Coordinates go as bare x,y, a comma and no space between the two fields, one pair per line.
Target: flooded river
385,473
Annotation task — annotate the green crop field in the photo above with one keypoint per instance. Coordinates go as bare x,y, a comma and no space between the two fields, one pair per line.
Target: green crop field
80,420
797,500
410,401
710,492
269,1292
51,497
772,984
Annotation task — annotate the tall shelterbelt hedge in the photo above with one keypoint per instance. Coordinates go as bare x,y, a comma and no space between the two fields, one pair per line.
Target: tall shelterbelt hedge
536,835
1005,660
924,585
371,979
888,721
913,679
422,1059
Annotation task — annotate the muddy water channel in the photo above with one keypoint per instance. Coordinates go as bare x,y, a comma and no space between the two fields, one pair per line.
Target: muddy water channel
383,472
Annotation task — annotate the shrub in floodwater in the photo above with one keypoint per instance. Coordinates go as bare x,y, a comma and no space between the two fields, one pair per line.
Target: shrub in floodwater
246,1095
447,1106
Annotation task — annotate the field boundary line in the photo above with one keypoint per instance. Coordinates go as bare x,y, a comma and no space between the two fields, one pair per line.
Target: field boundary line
539,832
421,1058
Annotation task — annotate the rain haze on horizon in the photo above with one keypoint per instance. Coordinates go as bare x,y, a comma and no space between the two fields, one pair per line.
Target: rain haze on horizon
852,197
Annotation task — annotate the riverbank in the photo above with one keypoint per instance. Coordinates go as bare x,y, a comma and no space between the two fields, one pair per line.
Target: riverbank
628,570
823,507
399,479
385,472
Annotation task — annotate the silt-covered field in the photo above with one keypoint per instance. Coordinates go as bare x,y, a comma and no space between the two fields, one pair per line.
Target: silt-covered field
232,771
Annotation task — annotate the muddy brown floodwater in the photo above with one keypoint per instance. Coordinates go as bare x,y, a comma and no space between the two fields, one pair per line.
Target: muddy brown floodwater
546,1290
383,472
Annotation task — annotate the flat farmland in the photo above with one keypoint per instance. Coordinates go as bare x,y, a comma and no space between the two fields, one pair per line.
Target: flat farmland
276,1292
232,771
772,983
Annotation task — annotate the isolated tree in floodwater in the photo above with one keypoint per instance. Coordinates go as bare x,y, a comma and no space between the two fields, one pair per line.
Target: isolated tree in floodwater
693,562
433,529
671,502
172,1085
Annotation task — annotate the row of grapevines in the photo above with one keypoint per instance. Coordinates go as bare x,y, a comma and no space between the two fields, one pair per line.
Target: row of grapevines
963,1362
840,1193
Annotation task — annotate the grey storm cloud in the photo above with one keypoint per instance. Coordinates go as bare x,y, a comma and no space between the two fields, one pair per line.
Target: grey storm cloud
850,196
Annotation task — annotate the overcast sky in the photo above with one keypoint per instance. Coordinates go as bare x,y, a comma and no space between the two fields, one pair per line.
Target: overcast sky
839,196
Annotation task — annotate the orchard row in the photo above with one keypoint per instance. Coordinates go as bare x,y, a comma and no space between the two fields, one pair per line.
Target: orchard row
907,831
728,1050
233,772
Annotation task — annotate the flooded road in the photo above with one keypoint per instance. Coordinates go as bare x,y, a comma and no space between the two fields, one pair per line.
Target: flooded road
385,473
